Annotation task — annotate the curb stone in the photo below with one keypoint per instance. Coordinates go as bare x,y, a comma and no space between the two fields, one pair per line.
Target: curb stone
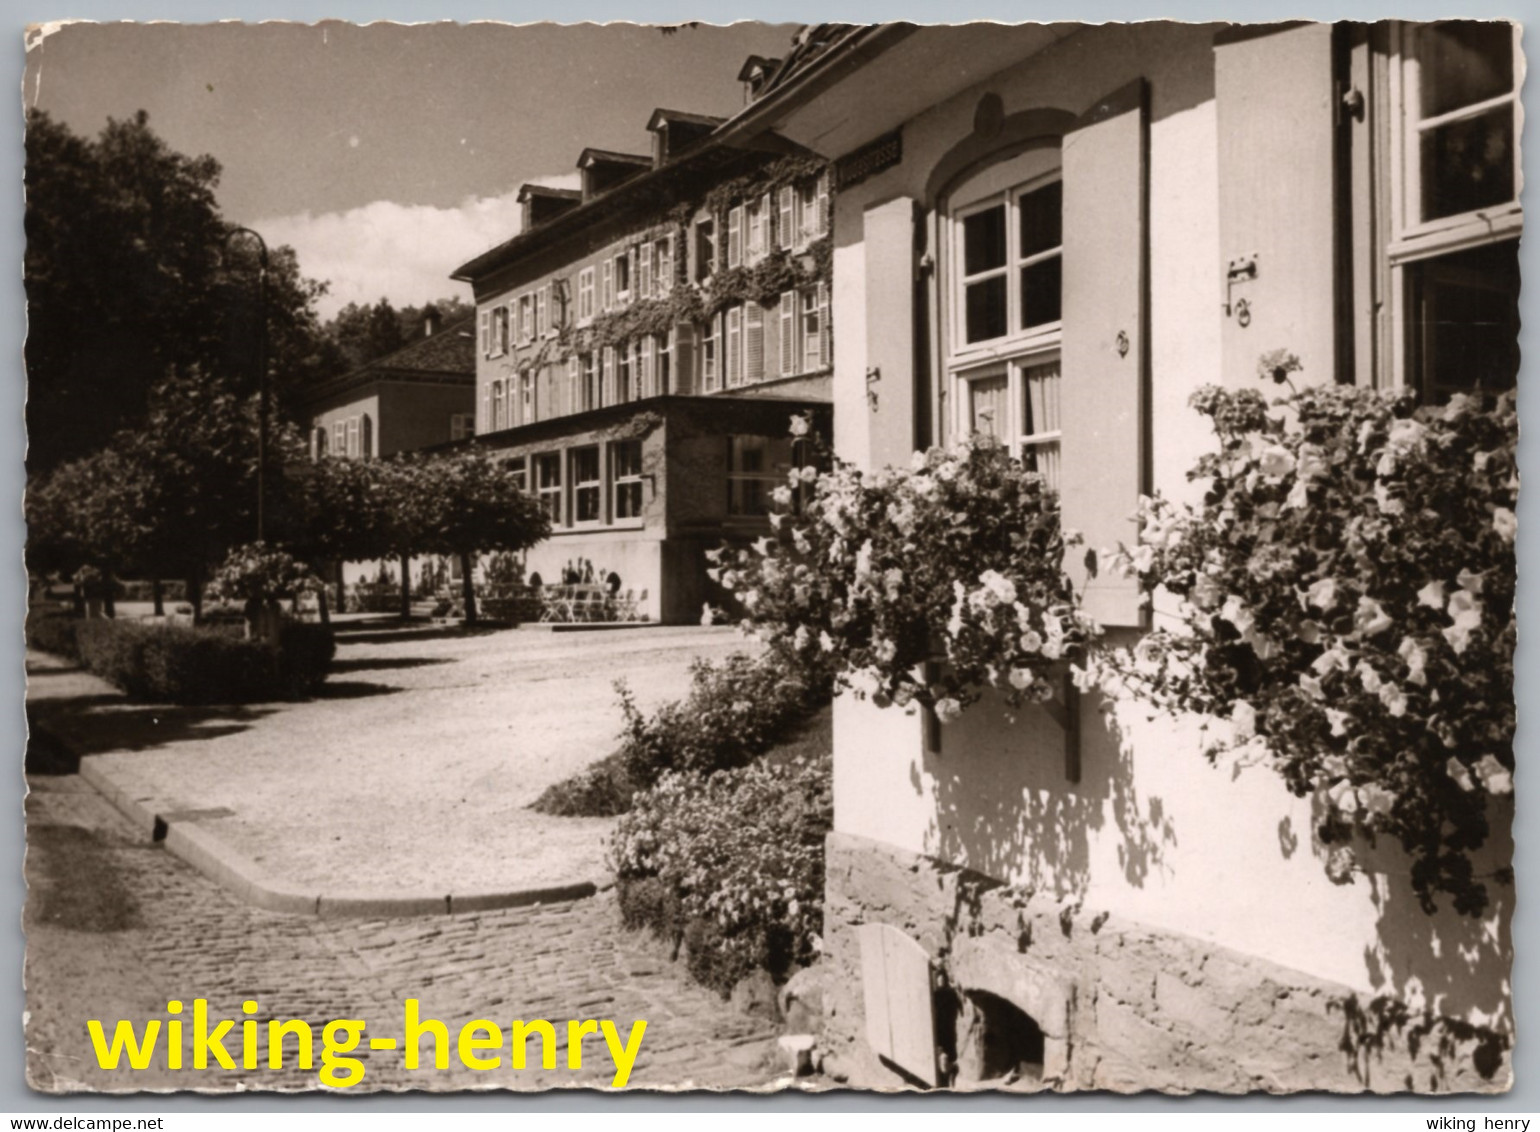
234,871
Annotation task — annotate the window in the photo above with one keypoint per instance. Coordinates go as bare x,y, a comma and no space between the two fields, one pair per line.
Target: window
756,466
352,438
812,210
711,353
340,438
588,382
663,365
585,302
1453,250
705,249
526,398
499,407
1005,299
500,331
623,371
518,469
626,477
663,253
548,484
814,328
623,277
462,426
587,486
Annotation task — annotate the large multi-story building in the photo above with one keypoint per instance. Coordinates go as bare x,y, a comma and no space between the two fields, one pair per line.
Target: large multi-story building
1055,234
643,343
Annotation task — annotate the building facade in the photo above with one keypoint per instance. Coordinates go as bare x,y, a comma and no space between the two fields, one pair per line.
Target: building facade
1055,234
642,346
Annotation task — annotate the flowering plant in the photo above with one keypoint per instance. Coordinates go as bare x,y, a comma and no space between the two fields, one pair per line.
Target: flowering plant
956,558
1346,601
258,573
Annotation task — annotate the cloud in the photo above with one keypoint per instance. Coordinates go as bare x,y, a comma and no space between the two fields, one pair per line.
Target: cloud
403,252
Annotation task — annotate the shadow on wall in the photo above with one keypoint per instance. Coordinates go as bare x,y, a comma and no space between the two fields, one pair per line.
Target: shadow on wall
1442,980
1005,805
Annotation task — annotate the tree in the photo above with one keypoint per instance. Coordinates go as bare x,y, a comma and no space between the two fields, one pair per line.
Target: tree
340,511
129,277
465,504
362,334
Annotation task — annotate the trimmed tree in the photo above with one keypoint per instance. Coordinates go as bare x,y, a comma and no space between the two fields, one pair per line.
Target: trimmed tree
465,504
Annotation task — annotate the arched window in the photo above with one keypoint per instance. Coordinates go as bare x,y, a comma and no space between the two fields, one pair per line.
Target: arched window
1004,287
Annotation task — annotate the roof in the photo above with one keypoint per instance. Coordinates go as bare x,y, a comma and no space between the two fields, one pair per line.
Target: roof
530,189
661,115
590,156
755,63
447,355
810,43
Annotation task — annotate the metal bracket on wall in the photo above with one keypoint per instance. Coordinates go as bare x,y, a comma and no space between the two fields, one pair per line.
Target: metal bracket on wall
873,376
1242,269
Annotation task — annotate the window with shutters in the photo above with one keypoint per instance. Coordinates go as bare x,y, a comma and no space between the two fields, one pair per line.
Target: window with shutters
757,227
733,347
626,479
585,300
548,484
1005,295
462,426
498,343
526,318
705,249
340,438
587,486
1453,250
811,208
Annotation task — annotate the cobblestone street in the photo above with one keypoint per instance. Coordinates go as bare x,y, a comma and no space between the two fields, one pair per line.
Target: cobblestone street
116,927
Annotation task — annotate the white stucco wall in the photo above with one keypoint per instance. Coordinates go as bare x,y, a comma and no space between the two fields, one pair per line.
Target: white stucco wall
1152,832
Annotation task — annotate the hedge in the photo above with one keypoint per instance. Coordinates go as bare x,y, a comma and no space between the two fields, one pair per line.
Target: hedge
193,665
52,630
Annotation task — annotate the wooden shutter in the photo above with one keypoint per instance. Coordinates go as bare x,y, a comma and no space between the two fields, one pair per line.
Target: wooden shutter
787,234
734,236
542,310
644,269
1104,402
664,282
825,328
823,203
753,342
486,333
608,294
788,332
734,349
607,378
1277,199
686,380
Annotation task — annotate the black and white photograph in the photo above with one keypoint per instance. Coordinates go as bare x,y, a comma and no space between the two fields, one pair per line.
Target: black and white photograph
793,558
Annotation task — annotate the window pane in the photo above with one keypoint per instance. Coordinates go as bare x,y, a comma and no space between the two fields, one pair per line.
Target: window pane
1040,391
628,458
1468,164
1042,212
987,406
1463,62
1041,290
628,501
984,240
1466,320
985,317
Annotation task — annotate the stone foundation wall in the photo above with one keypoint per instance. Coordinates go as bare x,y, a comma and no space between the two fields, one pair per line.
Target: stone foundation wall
1121,1006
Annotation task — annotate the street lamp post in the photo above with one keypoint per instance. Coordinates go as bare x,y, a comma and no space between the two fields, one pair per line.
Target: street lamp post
261,372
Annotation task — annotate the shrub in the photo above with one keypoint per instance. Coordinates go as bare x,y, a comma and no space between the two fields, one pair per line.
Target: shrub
601,791
197,665
732,864
52,630
1348,605
735,710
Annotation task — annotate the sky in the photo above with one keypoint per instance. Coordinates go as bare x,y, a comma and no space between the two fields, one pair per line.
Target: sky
386,154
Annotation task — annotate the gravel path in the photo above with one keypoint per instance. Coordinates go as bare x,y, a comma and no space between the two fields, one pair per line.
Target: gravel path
414,770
